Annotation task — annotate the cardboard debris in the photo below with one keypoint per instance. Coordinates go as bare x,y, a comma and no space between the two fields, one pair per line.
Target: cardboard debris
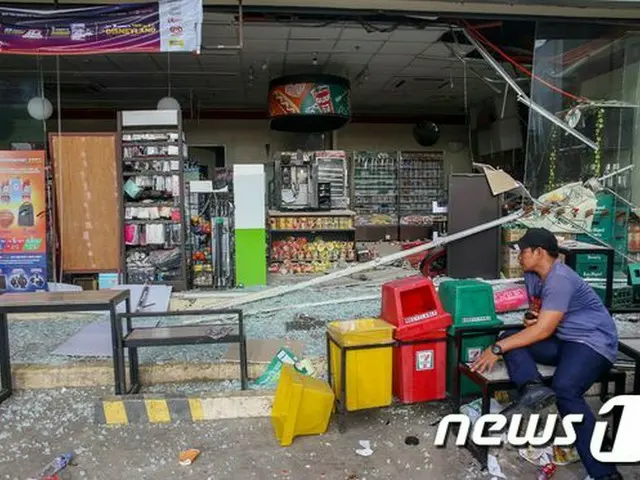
499,180
262,351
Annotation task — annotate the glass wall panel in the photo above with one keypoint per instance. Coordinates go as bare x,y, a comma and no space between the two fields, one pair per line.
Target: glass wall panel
588,77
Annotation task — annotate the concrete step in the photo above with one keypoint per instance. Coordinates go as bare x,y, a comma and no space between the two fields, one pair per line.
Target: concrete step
100,373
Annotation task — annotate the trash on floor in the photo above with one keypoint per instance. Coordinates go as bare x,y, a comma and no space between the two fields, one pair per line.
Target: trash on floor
536,456
283,357
494,467
365,451
565,456
187,457
56,465
546,472
473,410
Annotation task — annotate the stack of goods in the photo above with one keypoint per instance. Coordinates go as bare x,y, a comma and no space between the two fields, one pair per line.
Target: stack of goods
299,255
511,233
311,223
143,234
610,225
201,259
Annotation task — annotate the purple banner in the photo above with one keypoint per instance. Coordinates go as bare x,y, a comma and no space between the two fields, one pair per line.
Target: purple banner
170,25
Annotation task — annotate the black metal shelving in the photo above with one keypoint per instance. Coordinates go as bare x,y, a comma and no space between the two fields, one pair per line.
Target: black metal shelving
154,219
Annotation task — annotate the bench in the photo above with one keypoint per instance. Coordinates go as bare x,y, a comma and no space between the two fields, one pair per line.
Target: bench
191,334
498,379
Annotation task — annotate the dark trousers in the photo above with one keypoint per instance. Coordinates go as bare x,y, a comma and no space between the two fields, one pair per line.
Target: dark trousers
578,367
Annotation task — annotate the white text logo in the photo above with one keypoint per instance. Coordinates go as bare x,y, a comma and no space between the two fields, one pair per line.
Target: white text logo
626,448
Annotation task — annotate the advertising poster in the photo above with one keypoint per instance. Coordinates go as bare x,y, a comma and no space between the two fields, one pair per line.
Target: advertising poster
165,26
309,99
23,222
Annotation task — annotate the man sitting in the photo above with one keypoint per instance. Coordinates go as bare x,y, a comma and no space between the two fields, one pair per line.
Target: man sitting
571,329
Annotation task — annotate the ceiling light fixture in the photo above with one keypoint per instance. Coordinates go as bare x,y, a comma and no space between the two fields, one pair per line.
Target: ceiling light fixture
40,108
314,60
168,102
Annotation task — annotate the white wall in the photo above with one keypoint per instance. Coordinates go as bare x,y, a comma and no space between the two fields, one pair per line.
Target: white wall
245,140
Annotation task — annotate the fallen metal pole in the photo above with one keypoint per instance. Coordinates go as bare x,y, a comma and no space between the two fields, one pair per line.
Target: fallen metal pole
522,96
277,291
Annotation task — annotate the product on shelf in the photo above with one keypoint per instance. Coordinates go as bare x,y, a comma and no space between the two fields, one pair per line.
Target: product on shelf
425,220
319,253
421,179
376,188
150,137
311,223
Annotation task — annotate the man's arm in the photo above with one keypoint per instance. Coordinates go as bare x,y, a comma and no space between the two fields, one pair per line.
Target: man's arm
548,321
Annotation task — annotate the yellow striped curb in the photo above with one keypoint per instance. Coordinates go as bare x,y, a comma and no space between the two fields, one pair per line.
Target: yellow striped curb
166,409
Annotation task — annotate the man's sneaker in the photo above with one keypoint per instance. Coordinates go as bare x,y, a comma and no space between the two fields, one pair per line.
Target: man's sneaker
613,476
536,397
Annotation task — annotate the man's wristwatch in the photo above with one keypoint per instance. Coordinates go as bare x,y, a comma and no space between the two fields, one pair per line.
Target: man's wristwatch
496,349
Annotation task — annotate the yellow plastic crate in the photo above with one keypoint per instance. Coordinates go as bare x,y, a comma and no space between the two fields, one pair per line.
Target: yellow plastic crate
302,406
369,371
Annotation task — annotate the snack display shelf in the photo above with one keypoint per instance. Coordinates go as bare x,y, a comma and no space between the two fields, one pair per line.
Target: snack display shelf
311,241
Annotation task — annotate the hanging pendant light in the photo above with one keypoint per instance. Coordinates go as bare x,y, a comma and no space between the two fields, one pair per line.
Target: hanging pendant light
168,102
39,108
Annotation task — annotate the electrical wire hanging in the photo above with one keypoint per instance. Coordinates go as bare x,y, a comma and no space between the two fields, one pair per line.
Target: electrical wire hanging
482,39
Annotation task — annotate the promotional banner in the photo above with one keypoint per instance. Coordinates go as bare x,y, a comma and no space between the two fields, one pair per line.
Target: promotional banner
166,26
309,98
23,222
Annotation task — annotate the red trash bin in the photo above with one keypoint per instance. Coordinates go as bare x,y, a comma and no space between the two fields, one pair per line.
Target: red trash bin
420,369
420,360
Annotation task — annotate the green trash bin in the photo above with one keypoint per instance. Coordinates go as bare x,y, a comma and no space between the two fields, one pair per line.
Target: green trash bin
471,348
471,304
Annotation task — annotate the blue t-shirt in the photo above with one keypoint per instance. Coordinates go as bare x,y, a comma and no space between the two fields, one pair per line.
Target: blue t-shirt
586,320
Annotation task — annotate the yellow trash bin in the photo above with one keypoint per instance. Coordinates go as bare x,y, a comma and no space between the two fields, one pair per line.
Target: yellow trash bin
302,405
368,371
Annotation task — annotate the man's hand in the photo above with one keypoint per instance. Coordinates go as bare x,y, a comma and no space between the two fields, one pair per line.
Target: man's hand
485,362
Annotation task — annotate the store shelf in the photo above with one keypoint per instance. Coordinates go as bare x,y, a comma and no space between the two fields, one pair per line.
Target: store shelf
421,180
145,221
151,204
164,262
149,143
147,173
311,230
311,213
375,193
152,158
316,240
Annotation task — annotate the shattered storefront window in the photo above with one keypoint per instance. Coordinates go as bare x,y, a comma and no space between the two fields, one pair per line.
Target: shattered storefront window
23,107
587,75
